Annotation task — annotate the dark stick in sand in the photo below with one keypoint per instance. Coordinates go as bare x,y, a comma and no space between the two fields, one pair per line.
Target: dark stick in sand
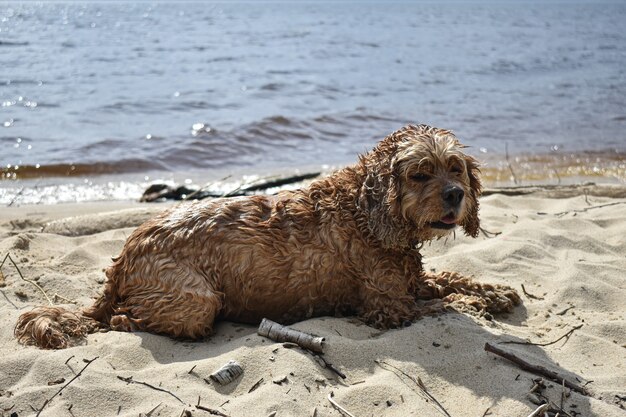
256,385
130,380
535,369
529,295
64,386
209,410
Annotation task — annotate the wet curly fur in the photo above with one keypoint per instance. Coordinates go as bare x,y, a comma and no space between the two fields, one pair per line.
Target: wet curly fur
347,244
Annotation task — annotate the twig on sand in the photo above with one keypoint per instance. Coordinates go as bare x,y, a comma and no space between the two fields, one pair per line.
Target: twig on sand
417,381
327,364
337,406
8,256
149,413
563,213
535,369
256,385
130,380
566,335
319,358
529,295
562,393
88,362
280,333
539,410
67,300
489,234
565,310
210,410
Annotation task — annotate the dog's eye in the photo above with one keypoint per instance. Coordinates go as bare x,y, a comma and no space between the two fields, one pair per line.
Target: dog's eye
456,169
420,177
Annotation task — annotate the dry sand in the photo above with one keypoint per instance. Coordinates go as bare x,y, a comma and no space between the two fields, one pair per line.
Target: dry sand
570,252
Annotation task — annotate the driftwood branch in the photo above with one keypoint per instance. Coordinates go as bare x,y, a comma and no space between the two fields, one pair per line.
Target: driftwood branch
182,192
8,256
130,380
201,189
280,333
560,191
227,373
535,369
566,335
88,362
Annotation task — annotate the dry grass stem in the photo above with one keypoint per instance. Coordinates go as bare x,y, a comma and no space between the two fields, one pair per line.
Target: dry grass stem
130,380
8,256
417,381
338,407
566,335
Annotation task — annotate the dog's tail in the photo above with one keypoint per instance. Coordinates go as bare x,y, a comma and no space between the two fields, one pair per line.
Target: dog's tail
57,327
53,327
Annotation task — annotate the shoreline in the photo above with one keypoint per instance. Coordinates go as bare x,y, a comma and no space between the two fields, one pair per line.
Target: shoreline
547,169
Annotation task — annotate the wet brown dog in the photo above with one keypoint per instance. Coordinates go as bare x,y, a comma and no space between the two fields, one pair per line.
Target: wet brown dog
349,244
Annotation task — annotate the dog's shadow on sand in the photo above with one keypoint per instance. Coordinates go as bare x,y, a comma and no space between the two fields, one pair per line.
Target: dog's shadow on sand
449,346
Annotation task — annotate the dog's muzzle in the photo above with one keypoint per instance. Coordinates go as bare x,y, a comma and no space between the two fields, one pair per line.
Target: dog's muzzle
447,222
452,197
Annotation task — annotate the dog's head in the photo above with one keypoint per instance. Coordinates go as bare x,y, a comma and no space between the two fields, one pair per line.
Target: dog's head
429,186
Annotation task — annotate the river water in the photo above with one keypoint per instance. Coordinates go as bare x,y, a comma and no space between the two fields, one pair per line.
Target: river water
140,90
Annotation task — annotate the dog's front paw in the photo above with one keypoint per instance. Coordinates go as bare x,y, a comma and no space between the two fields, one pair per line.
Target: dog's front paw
501,298
491,298
121,323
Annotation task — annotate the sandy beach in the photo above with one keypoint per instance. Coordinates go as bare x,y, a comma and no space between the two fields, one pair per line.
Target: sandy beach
565,245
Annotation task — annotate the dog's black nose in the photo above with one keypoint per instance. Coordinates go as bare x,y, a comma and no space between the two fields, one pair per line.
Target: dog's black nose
452,195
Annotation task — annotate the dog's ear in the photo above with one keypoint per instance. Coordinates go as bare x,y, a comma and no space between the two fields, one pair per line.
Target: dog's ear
394,190
471,223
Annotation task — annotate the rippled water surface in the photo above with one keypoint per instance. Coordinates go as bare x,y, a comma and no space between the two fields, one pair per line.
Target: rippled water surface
113,88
